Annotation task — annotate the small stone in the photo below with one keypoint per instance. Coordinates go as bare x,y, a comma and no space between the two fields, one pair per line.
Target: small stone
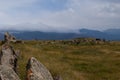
9,38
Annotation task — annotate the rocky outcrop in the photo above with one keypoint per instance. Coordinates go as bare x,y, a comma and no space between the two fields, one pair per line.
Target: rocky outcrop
8,64
78,41
8,67
37,71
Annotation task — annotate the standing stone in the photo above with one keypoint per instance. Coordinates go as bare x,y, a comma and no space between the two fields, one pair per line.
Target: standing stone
8,60
9,38
8,57
37,71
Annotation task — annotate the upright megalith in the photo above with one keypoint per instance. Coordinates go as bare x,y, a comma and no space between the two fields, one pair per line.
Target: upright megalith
37,71
8,57
9,38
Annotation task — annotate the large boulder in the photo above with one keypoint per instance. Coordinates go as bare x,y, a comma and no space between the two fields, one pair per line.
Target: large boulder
7,73
37,71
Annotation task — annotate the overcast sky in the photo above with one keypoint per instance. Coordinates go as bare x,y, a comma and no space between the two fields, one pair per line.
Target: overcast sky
59,15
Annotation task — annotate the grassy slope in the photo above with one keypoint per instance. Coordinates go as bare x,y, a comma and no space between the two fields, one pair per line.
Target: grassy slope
73,62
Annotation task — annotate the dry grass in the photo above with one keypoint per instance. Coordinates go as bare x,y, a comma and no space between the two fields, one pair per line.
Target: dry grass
73,62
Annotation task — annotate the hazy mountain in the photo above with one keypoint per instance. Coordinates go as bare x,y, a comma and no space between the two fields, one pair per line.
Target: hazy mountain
110,34
93,33
113,31
44,35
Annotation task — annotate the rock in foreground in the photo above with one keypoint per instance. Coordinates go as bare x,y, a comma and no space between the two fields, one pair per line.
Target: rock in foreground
37,71
7,73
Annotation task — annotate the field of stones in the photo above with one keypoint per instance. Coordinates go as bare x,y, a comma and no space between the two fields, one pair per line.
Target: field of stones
77,59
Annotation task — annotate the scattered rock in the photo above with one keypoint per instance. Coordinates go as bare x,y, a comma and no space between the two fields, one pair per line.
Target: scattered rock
37,71
78,41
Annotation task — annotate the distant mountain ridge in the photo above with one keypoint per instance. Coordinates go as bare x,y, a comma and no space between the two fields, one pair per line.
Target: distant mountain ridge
110,34
113,31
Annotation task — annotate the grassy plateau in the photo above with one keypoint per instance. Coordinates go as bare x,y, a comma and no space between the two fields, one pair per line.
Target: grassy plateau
73,61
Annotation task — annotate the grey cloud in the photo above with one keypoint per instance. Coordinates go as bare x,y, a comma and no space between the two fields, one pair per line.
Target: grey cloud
110,1
91,14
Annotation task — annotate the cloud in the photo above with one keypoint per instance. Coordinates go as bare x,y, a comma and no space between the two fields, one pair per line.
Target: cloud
59,15
86,14
109,1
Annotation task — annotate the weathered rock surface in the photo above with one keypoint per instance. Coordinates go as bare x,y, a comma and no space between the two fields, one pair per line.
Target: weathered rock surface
7,73
9,38
8,63
8,57
37,71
